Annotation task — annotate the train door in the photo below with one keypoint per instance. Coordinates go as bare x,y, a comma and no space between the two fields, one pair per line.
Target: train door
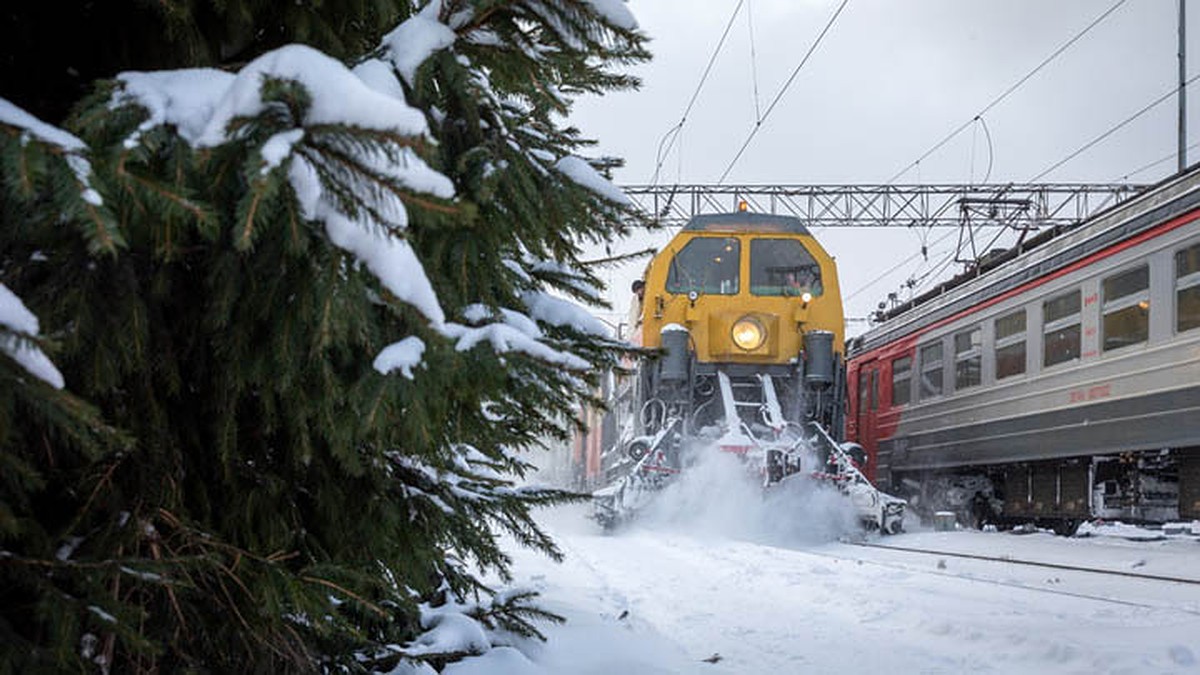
868,408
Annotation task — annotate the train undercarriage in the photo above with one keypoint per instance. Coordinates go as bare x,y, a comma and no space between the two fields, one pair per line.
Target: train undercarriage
1143,487
775,419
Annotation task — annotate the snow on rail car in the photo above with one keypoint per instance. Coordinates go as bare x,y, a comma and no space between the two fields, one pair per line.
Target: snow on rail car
746,316
1058,384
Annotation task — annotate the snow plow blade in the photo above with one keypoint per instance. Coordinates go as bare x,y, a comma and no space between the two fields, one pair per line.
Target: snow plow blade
796,450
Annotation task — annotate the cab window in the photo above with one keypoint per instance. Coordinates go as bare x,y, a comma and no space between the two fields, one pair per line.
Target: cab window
706,265
783,267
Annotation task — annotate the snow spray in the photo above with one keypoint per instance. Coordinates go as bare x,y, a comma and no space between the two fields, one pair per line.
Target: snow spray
719,495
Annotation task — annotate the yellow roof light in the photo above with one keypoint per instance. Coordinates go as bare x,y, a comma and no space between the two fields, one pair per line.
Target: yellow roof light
742,205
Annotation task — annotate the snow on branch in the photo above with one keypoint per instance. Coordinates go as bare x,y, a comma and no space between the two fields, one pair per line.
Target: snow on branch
565,276
73,149
184,99
415,40
390,258
403,356
559,312
505,338
201,103
207,107
379,76
615,12
584,175
22,325
204,107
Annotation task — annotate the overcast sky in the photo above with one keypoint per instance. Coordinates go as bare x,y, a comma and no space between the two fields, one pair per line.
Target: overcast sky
889,81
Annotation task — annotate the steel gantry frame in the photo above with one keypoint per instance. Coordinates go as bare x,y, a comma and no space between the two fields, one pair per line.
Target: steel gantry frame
1023,207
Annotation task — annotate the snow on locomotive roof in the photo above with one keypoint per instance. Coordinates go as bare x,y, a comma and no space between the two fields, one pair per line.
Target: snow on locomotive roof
745,222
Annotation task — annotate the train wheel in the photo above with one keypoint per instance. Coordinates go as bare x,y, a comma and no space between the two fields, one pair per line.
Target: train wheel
637,450
1066,527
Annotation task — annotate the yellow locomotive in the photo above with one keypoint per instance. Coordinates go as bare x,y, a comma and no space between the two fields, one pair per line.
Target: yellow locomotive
744,313
747,287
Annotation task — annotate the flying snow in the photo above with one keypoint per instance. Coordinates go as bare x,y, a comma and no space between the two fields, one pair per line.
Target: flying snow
718,496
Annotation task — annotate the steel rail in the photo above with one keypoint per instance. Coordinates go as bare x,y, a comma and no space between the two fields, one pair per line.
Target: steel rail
1032,563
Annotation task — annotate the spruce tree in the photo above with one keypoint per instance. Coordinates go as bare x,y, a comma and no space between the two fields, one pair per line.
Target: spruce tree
308,320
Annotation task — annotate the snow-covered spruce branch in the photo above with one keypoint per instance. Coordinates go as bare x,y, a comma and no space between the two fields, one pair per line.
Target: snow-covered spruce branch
81,202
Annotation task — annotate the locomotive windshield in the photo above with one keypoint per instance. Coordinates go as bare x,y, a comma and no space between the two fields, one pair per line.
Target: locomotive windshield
783,267
706,265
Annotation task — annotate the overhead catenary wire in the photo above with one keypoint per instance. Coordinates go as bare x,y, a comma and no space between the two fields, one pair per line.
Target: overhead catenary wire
895,267
987,134
763,118
979,117
1117,127
1146,167
1085,147
753,60
1007,92
673,132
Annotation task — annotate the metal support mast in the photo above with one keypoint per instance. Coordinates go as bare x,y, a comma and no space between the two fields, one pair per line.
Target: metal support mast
1182,87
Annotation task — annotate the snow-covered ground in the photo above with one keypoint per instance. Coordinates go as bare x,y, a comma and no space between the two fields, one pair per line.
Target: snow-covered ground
692,590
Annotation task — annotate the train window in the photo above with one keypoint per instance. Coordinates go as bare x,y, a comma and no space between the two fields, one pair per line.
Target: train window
862,390
1187,288
874,390
1061,328
707,265
1010,345
901,380
968,358
1126,308
783,267
931,371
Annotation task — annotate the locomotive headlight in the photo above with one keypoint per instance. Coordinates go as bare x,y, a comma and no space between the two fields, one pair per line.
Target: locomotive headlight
807,297
748,333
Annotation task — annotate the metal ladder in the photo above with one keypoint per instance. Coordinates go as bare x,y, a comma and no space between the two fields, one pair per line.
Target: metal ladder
764,398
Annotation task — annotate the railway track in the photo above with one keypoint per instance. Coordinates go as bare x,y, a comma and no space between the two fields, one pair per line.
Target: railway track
1033,563
1105,598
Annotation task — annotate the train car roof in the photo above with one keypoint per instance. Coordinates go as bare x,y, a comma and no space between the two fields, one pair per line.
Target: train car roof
745,222
1052,251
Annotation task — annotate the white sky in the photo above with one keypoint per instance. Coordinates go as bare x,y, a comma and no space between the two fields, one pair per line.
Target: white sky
889,81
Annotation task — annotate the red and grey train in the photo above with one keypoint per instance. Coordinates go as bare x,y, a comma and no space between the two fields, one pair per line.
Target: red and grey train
1056,384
